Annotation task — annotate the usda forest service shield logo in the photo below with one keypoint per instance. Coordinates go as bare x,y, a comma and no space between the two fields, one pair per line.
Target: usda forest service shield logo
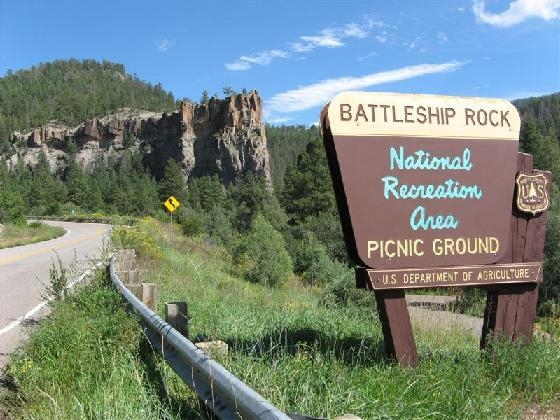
532,196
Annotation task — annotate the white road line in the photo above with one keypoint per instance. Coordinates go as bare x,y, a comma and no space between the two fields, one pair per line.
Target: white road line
41,305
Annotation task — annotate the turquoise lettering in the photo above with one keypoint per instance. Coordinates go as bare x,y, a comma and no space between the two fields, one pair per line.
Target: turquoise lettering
423,160
419,220
449,189
389,186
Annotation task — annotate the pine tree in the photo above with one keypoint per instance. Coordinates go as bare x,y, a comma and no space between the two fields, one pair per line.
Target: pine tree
252,197
205,193
308,188
173,182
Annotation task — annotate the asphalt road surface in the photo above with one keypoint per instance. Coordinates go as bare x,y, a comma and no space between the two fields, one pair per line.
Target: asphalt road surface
24,275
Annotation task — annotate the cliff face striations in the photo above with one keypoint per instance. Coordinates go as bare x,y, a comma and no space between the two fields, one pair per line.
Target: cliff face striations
225,137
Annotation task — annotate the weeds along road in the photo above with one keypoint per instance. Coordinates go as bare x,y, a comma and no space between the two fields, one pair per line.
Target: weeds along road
24,276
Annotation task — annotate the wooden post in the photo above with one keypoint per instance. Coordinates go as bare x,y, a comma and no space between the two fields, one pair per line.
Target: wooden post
176,315
136,290
395,322
149,295
126,267
511,309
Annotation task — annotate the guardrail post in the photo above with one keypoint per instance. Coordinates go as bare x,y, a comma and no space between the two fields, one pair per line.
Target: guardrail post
176,315
149,295
127,267
136,290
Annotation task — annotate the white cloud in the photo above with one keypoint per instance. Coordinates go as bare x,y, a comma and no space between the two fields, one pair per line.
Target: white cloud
355,30
264,58
414,43
245,62
318,94
326,38
383,37
367,56
164,45
370,22
518,11
442,37
238,65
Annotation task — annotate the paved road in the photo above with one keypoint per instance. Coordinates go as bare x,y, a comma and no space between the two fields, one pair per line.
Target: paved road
445,320
431,312
24,272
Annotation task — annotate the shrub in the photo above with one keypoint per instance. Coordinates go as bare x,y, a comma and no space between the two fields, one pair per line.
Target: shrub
310,257
342,291
327,229
12,207
124,237
192,223
219,227
260,255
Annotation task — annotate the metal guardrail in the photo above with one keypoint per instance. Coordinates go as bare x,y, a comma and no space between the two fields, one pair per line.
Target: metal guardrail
78,219
222,392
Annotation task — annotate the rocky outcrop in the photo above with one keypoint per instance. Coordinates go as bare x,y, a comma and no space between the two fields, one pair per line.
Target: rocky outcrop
225,137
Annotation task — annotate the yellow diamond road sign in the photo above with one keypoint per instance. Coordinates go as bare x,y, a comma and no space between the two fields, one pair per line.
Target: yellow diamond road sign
171,204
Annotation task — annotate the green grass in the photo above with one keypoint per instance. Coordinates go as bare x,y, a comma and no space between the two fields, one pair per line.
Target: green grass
321,361
13,235
87,360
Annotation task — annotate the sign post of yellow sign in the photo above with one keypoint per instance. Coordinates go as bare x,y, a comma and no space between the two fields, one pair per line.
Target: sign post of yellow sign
171,204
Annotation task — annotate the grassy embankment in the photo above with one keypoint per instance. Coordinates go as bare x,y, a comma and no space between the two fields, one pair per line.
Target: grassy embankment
301,355
87,360
15,235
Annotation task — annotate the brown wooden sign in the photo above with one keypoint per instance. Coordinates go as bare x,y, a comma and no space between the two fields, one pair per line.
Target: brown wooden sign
423,180
425,190
479,275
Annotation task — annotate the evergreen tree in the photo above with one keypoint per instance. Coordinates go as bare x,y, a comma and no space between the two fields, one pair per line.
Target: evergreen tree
173,182
205,193
12,203
79,186
251,197
308,188
47,193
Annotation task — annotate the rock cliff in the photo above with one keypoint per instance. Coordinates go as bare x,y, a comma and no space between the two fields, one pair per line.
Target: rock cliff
225,137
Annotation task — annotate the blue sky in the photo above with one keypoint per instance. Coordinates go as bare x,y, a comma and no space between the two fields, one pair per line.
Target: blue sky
299,53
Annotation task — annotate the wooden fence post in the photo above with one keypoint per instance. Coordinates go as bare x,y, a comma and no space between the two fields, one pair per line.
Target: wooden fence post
136,290
176,315
149,295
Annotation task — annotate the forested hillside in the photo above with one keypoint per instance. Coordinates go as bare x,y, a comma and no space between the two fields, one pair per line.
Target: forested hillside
71,91
285,143
545,110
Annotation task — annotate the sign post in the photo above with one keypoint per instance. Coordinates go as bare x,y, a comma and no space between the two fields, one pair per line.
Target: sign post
171,204
425,186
